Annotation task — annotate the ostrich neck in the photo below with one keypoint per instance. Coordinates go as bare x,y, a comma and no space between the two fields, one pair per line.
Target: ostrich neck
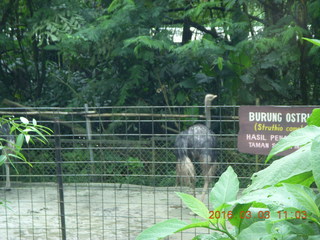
207,105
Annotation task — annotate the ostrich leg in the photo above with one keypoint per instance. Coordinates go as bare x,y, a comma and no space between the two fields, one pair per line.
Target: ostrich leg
186,173
8,148
8,183
208,170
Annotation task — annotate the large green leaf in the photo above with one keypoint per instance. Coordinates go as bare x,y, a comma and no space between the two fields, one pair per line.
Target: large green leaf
205,224
195,205
315,237
305,179
275,197
236,219
290,231
314,41
282,169
258,230
226,189
253,215
212,236
161,230
314,119
278,230
315,160
296,138
305,196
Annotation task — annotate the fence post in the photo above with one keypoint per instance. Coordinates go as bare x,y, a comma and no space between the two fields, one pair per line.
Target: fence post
89,137
257,156
153,158
89,132
59,176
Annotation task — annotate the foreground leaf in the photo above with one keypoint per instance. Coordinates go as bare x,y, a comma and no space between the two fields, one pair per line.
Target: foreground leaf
289,230
236,219
205,224
258,230
277,197
299,137
305,196
226,189
212,236
305,179
194,205
314,119
315,237
283,169
314,159
161,230
314,41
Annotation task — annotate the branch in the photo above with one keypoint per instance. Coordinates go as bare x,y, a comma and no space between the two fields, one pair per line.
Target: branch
222,9
189,7
179,9
198,26
201,28
257,19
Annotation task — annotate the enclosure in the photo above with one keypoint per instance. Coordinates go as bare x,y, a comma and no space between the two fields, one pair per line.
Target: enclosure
109,173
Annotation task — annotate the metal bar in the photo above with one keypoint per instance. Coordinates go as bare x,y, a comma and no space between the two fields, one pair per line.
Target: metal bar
59,178
44,113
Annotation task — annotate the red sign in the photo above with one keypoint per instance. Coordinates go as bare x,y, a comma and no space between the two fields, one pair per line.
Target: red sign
261,127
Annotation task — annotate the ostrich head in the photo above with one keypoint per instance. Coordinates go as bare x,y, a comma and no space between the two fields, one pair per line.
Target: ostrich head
207,103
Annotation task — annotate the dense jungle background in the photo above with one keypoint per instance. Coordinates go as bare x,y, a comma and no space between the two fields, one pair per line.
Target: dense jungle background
164,52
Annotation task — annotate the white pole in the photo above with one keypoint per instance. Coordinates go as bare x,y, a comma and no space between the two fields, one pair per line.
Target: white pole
89,132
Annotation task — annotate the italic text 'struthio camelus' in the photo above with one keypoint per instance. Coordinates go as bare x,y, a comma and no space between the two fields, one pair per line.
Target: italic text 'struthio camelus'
196,145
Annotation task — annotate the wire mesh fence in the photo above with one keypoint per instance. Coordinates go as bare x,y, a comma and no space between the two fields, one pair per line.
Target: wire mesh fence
109,173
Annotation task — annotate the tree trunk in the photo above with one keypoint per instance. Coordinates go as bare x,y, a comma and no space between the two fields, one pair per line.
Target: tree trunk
186,34
301,19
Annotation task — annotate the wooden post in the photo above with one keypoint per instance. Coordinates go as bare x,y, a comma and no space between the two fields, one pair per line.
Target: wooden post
257,156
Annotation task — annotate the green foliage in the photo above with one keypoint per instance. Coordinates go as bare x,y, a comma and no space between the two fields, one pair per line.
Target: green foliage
134,165
24,131
118,4
279,204
146,41
121,52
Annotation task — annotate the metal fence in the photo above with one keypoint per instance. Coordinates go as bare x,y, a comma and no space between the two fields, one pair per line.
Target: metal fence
108,173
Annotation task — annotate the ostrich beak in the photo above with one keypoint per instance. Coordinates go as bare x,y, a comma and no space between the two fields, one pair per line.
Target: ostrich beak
211,97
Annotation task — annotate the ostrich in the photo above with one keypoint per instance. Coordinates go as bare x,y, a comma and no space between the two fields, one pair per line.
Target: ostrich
6,150
196,144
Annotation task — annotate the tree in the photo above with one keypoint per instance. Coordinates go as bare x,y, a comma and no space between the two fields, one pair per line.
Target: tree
126,52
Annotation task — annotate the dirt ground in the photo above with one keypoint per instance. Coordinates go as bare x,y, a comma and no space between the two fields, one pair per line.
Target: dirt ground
92,211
